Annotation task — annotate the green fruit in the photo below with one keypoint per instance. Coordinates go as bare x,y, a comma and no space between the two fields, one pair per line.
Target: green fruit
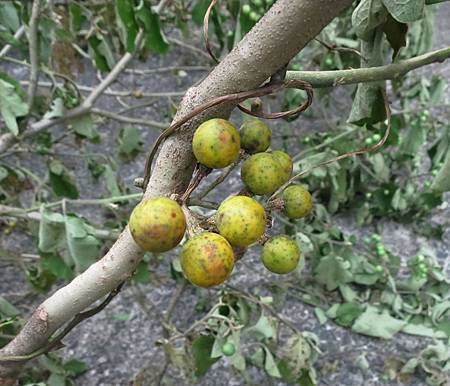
280,254
369,141
376,138
241,220
262,173
246,9
228,349
286,163
157,224
216,143
298,201
255,136
329,62
254,16
207,259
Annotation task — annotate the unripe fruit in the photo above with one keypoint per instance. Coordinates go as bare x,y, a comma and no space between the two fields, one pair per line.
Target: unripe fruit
255,136
297,201
280,254
157,224
216,143
207,259
241,220
246,9
262,173
228,349
254,16
286,163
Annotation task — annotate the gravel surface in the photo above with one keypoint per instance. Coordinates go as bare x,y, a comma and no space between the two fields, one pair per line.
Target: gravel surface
116,349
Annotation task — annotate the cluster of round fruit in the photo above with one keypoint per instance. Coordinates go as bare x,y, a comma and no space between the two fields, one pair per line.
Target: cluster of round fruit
207,259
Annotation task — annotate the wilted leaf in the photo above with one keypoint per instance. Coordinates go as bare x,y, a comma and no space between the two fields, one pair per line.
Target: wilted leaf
368,15
405,11
441,182
264,327
395,33
101,52
51,231
84,126
130,141
380,324
333,271
347,313
82,245
11,106
111,181
269,364
54,264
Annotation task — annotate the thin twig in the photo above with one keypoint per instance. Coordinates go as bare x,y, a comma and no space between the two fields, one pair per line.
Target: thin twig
216,182
189,47
166,69
161,5
334,47
362,151
206,28
33,38
125,119
19,33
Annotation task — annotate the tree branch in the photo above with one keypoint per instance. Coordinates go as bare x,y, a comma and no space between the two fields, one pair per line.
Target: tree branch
19,33
33,39
283,31
370,74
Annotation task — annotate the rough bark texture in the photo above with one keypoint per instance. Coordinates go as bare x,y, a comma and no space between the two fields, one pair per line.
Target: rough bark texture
280,35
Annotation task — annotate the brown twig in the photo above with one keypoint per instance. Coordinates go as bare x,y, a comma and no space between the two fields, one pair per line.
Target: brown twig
345,155
206,28
200,172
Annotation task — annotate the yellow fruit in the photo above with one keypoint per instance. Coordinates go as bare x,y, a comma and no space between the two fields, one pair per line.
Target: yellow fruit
286,163
207,259
297,201
157,224
262,173
241,220
255,136
216,143
280,254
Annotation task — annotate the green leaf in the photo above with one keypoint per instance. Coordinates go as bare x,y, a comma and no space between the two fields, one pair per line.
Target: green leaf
264,328
405,11
199,10
7,309
333,271
84,126
130,141
51,231
56,380
82,245
347,313
380,324
395,33
441,182
368,15
422,330
111,181
413,139
127,23
61,181
9,16
201,350
154,36
368,104
269,364
55,265
11,106
142,274
56,109
75,367
101,52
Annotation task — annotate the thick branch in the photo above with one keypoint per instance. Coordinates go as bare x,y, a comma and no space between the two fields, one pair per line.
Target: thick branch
285,29
369,74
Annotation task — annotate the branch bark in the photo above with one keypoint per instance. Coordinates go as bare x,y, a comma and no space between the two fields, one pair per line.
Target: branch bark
33,39
285,29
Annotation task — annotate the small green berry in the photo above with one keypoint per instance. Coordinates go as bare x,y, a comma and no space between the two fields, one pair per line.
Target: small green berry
228,349
254,16
376,137
369,141
246,9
